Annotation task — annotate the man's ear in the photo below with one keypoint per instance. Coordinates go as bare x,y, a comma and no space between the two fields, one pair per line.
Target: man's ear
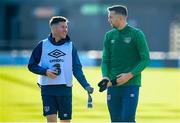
53,29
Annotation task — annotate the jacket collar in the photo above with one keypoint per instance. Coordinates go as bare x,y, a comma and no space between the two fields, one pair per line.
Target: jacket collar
61,42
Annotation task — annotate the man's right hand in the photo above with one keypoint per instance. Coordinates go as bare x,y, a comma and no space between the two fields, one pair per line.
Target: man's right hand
51,74
89,89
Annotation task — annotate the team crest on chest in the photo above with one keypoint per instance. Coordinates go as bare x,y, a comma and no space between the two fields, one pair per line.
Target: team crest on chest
127,40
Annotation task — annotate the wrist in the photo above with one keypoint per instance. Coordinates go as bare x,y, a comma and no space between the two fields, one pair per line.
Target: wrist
106,78
45,72
130,75
114,82
86,88
89,89
109,84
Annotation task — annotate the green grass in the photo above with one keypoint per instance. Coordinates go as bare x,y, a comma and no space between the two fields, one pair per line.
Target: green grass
20,98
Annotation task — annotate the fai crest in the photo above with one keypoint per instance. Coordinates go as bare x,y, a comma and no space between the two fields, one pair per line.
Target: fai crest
127,40
46,108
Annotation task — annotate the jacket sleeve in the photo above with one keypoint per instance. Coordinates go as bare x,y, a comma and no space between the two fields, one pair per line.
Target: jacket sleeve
34,60
77,69
105,57
143,50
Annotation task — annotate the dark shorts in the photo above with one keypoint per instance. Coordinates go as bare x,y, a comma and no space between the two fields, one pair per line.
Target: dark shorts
61,105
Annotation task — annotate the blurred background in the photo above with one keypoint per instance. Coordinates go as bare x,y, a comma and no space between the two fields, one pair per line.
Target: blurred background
25,22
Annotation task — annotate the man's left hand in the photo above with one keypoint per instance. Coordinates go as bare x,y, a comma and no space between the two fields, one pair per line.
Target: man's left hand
123,78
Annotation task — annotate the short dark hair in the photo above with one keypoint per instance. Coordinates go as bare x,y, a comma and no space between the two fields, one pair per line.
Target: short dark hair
119,9
57,19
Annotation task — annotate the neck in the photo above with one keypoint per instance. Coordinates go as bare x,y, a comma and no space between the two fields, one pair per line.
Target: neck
57,38
122,25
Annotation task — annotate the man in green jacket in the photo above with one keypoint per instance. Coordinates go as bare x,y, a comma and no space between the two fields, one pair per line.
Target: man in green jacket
125,55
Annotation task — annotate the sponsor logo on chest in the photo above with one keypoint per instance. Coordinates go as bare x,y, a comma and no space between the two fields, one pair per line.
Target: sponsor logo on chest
112,41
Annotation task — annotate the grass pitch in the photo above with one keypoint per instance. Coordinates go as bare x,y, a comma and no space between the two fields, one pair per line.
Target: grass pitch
20,99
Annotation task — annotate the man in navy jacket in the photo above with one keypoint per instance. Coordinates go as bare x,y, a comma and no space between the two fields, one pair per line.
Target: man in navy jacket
55,60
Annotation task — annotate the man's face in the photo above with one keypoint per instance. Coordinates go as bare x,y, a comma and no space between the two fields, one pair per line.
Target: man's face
61,29
113,19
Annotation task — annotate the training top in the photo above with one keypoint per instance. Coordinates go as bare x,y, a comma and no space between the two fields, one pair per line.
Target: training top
62,56
125,51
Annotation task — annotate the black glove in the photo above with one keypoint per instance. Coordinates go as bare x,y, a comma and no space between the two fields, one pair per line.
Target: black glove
89,89
57,69
103,85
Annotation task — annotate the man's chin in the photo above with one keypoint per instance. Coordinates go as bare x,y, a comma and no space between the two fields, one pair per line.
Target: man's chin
114,26
64,37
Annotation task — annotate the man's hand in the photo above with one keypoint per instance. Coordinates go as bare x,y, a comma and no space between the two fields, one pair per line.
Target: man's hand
89,89
123,78
103,84
51,74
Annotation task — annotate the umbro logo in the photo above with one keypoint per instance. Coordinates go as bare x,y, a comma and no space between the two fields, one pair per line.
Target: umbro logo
56,53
